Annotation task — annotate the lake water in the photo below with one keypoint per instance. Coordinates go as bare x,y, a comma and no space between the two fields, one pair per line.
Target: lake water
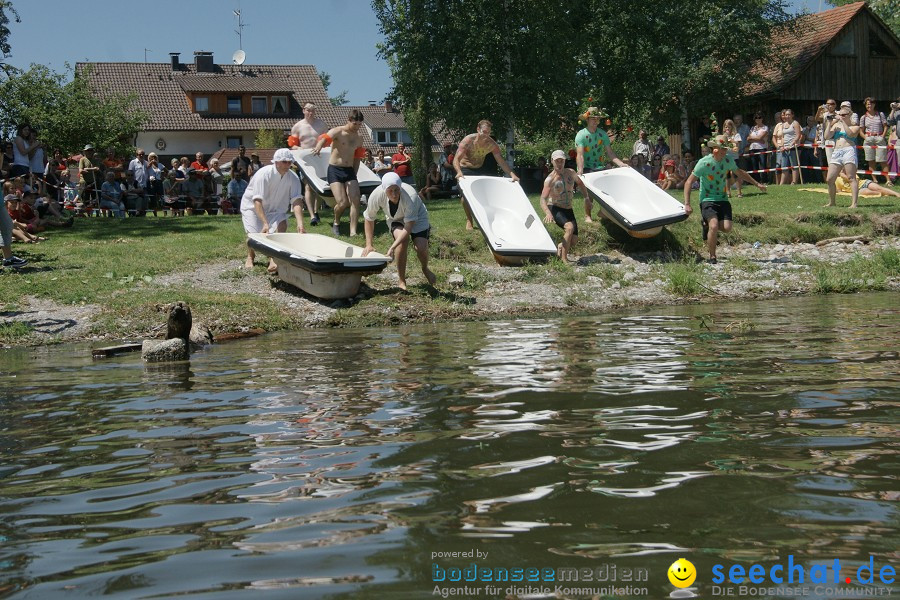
341,464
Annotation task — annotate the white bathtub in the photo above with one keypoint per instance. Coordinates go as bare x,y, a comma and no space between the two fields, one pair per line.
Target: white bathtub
318,264
507,220
633,202
315,171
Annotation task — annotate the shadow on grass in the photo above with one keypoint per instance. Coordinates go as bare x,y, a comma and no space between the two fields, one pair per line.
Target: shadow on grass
107,228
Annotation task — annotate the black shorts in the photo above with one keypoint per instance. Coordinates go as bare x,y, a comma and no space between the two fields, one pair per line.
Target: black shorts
720,211
563,216
338,174
395,225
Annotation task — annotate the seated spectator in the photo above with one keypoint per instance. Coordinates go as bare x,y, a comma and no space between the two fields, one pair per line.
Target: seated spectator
236,188
6,160
866,187
661,148
19,229
255,165
381,166
194,196
172,196
113,163
135,197
432,182
31,208
704,131
655,167
111,195
215,178
668,179
638,164
369,160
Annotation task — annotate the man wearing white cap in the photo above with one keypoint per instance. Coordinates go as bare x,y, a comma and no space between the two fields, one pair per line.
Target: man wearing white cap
407,218
556,200
272,192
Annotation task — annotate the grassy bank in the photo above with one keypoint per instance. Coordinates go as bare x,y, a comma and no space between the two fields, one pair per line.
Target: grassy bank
119,266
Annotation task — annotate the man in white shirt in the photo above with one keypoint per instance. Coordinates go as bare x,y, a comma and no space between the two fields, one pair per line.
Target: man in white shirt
272,192
642,146
407,218
307,130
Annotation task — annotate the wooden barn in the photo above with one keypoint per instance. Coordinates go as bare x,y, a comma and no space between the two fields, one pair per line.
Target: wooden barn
846,53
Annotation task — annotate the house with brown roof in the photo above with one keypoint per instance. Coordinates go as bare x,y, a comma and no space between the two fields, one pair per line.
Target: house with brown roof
846,53
204,107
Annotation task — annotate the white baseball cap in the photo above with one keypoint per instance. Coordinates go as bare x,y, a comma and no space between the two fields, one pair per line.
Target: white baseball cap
558,154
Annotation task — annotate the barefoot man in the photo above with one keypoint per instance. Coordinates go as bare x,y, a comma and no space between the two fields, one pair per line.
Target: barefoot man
712,171
559,187
470,160
593,150
346,153
407,219
307,130
271,193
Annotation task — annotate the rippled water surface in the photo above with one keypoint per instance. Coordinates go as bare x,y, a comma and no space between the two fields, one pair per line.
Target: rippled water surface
335,463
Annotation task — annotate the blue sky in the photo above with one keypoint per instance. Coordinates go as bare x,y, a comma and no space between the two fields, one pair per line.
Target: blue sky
337,36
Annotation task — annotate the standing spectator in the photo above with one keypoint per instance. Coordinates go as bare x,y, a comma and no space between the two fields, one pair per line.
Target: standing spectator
24,146
642,146
113,163
139,169
854,118
809,136
183,166
743,130
255,165
216,177
844,157
154,181
369,160
307,131
661,148
729,130
402,163
704,130
89,178
6,160
381,165
6,233
785,137
241,161
36,162
759,140
893,125
199,164
873,126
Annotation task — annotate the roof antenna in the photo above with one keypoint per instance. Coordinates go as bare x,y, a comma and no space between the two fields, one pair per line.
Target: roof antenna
146,50
240,26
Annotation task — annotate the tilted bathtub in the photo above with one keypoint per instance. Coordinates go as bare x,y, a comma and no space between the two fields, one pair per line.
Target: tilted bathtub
315,171
320,265
633,202
507,219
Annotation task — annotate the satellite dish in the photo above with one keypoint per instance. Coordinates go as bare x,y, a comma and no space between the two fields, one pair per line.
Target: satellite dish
239,57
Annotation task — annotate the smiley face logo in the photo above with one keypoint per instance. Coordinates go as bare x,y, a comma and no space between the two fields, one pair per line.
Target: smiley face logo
682,573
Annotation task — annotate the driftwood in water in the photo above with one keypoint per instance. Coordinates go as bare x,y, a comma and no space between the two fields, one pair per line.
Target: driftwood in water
114,350
238,335
848,239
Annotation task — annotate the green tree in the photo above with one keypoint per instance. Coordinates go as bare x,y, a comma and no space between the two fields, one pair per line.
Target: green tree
269,138
69,114
338,100
6,9
888,10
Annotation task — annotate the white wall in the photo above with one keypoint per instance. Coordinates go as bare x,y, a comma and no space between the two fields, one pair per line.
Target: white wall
188,143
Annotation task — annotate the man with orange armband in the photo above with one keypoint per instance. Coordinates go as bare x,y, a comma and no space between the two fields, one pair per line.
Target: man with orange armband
304,134
346,154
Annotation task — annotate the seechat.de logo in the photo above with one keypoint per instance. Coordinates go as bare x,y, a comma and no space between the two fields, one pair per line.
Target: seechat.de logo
792,572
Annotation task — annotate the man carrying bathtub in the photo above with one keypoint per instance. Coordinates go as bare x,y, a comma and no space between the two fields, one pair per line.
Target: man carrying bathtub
559,189
594,150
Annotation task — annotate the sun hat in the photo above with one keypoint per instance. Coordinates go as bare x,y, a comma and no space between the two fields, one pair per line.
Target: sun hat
283,155
718,141
557,154
87,147
389,180
845,110
846,103
593,111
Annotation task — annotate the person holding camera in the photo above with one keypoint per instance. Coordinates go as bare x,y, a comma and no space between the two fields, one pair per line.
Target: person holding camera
825,113
843,157
893,121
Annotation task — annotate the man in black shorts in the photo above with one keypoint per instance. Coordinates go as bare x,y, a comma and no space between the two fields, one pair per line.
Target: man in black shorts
559,188
712,171
346,154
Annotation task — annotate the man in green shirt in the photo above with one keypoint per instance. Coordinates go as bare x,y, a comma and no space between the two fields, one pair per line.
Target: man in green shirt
593,150
715,209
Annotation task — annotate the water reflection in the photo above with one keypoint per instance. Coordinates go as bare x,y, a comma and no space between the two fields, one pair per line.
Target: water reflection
334,463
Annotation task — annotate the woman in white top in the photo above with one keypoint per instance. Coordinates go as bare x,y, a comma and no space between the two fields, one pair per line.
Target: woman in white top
729,130
24,147
843,158
759,139
786,137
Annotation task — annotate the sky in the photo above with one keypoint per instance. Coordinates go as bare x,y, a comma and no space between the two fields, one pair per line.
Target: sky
337,36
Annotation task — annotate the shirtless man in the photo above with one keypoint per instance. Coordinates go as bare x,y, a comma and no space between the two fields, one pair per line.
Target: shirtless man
594,150
307,130
470,160
346,154
559,187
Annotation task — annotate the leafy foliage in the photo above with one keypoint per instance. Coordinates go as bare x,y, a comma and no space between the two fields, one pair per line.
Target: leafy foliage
68,114
338,100
6,10
269,138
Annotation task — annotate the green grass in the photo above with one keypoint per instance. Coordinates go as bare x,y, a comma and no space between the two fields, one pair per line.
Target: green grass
857,274
13,332
117,264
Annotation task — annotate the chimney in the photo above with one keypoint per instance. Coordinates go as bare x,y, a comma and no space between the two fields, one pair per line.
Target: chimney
203,61
174,56
388,106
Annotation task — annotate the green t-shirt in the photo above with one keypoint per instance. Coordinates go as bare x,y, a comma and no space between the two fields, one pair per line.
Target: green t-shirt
713,177
595,146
